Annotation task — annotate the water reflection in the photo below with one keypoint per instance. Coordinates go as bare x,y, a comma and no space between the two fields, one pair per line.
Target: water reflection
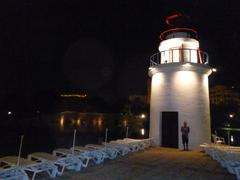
62,122
125,123
78,122
100,122
52,131
87,122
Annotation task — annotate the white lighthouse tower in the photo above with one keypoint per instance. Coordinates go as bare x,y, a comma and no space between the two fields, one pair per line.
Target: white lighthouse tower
179,88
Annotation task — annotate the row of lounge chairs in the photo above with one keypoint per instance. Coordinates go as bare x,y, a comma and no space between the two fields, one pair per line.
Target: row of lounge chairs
72,159
227,156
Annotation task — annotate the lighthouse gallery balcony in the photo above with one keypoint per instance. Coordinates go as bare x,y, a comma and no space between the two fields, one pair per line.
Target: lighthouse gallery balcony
182,55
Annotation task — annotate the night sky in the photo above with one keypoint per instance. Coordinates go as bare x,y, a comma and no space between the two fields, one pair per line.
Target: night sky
103,47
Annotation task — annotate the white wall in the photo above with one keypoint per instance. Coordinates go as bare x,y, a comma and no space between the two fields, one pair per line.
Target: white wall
185,90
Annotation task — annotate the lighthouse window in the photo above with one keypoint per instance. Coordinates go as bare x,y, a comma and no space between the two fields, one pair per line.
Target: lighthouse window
164,57
175,55
193,55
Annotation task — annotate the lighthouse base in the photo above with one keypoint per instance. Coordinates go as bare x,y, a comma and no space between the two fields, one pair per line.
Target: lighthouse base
179,93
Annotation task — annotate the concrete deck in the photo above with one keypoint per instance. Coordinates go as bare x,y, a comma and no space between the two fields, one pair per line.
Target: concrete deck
153,164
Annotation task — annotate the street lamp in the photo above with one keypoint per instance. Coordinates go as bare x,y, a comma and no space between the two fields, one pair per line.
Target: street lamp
231,116
232,139
214,70
143,116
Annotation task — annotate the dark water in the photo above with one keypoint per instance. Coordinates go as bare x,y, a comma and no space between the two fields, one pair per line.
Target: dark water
47,132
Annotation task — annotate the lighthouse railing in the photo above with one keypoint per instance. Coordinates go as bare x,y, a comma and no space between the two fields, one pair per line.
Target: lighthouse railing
182,55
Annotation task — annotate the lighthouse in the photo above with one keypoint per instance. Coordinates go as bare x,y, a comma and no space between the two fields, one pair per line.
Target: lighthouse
179,87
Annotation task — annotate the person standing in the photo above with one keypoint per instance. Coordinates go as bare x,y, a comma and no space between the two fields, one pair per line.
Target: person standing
185,131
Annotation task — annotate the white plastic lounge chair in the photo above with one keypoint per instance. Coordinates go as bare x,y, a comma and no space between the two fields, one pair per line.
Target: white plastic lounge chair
226,156
71,163
131,145
126,146
97,155
111,151
121,149
14,173
140,143
31,166
143,142
137,145
218,140
83,156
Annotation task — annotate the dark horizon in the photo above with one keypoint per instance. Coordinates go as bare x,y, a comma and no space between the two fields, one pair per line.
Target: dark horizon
103,48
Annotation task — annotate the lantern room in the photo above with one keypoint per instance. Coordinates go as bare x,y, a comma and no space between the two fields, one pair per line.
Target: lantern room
178,44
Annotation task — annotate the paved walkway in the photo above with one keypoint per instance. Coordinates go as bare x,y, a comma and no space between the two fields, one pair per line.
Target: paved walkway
153,164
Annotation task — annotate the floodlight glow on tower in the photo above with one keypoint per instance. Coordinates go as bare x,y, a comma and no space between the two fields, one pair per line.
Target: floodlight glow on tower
179,87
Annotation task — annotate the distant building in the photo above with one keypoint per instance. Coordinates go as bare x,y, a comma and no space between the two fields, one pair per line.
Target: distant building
73,102
223,95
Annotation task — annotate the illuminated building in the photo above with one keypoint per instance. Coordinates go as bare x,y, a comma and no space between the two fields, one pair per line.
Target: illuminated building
73,95
72,102
179,88
222,95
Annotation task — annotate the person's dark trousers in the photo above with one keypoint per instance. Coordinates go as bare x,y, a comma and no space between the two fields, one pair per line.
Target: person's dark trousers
185,142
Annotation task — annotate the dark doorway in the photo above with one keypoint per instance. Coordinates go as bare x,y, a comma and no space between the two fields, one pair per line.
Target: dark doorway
170,129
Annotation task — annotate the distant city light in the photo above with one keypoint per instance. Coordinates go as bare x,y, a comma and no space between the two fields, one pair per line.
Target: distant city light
74,95
231,115
143,116
227,125
214,70
142,132
232,139
9,112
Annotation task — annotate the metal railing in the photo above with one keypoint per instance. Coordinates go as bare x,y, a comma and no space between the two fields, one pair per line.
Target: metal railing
182,55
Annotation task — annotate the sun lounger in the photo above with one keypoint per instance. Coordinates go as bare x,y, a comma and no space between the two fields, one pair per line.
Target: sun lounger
131,145
83,156
227,156
97,155
142,143
111,151
218,140
30,166
146,143
71,163
137,145
14,173
121,149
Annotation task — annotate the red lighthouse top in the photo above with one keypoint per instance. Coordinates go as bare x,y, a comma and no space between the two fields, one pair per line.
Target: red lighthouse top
179,27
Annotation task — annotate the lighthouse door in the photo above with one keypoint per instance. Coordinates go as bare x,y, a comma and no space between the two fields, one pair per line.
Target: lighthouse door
170,129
